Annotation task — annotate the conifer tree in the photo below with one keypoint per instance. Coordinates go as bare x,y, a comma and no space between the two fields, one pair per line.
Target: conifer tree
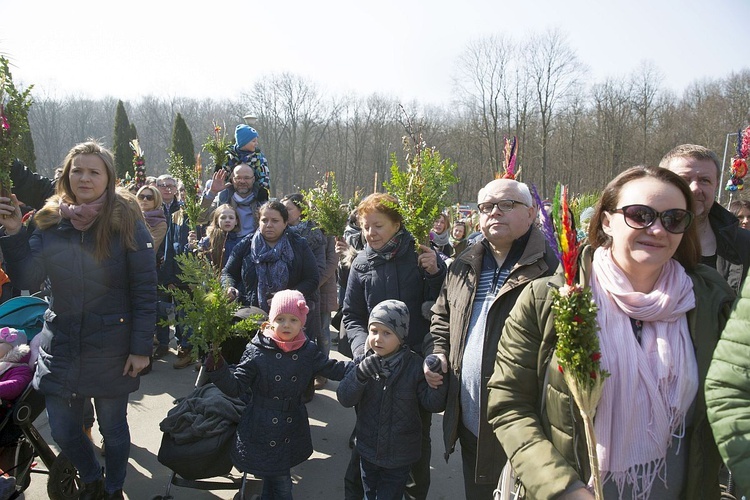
182,141
27,155
121,142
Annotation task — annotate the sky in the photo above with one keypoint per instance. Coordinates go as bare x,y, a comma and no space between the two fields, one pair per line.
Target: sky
402,48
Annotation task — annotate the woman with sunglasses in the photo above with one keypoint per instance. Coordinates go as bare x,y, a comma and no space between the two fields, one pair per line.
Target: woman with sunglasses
660,314
150,200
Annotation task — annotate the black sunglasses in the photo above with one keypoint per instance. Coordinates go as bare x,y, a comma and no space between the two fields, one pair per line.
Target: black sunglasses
146,197
674,220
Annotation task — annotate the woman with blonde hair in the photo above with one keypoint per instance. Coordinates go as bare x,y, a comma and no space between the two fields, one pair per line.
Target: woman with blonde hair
150,200
222,235
93,245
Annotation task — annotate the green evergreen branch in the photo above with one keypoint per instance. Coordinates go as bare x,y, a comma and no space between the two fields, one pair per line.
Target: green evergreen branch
14,124
204,309
190,178
327,207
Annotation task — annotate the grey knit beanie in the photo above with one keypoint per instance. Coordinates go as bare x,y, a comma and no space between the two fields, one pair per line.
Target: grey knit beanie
393,314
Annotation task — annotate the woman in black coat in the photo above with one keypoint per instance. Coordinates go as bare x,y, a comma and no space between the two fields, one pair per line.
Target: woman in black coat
270,260
92,243
389,268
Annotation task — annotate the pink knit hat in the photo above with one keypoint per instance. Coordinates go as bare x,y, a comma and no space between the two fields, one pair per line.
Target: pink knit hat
288,302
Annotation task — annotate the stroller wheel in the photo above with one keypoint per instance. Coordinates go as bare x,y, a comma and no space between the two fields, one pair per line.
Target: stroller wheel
63,482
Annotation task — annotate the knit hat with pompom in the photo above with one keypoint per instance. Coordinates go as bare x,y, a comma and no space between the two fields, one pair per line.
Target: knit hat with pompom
288,302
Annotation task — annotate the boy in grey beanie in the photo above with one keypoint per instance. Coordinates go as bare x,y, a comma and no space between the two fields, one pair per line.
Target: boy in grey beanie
387,385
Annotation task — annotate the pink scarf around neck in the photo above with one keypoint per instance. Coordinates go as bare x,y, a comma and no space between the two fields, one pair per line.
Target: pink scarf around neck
652,384
83,216
286,345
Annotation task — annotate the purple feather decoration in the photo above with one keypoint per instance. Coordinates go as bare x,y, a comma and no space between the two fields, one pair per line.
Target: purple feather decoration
548,228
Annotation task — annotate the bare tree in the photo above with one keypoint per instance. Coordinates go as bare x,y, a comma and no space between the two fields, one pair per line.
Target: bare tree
612,101
482,83
646,81
553,68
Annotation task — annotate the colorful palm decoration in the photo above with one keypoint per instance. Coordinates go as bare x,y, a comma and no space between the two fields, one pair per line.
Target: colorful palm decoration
736,181
574,310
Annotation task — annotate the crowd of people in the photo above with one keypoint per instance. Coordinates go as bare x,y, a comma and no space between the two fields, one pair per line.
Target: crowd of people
462,325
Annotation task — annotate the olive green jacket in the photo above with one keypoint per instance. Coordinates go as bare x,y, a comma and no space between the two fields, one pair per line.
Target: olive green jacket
728,391
534,416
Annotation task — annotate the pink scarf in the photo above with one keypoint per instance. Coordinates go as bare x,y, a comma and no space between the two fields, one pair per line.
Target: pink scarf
286,346
154,217
83,216
652,385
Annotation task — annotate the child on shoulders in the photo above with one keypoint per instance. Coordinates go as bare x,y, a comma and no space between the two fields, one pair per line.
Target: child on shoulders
245,150
387,385
274,432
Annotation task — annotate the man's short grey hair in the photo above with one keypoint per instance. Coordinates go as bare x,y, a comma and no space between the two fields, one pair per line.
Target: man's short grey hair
692,151
164,177
523,191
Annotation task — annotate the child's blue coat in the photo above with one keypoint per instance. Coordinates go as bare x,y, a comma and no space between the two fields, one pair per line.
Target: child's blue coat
274,433
389,428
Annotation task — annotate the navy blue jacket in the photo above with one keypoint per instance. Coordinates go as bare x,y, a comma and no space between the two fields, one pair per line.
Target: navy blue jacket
374,280
274,432
99,313
389,428
241,274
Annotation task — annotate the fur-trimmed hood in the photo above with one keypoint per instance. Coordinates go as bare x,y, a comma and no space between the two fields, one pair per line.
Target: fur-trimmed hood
17,356
49,215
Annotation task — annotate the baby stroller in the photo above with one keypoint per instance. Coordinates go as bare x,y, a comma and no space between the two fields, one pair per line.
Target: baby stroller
193,463
17,431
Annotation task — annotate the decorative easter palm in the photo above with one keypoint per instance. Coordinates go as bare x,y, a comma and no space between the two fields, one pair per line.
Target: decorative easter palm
14,110
736,181
217,146
191,179
327,207
510,153
575,322
204,308
421,189
139,164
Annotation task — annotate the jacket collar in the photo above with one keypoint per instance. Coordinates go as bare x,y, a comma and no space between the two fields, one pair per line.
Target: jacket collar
724,225
534,249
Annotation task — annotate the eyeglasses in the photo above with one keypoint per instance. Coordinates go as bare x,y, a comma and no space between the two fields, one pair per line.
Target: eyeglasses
503,205
166,186
146,197
674,220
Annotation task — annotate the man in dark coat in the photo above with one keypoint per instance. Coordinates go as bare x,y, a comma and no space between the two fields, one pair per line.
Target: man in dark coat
481,288
724,245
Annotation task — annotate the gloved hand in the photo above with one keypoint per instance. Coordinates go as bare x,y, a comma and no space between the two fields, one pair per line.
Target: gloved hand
369,367
211,364
433,363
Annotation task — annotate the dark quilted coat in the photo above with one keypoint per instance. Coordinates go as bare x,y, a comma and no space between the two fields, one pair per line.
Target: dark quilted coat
389,428
99,313
274,433
240,272
373,279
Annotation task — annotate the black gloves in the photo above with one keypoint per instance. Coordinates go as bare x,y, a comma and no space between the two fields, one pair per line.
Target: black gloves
369,367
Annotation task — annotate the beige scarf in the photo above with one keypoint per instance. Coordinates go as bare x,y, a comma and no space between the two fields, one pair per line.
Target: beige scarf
652,384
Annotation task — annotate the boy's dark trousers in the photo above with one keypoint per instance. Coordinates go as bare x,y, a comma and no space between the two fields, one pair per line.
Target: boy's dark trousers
383,484
419,478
